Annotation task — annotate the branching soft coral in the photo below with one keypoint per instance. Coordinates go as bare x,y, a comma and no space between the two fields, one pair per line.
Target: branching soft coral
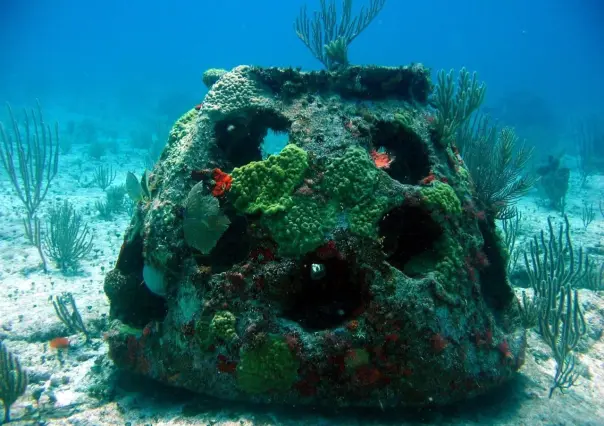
328,36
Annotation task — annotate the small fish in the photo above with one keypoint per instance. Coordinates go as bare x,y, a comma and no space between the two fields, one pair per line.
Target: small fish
133,187
59,343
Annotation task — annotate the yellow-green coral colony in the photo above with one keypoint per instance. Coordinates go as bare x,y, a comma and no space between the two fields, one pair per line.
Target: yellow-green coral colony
303,221
439,195
180,128
351,177
223,325
303,227
266,186
269,367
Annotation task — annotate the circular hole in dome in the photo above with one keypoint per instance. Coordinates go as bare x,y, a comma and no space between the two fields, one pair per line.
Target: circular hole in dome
326,293
241,140
407,232
411,161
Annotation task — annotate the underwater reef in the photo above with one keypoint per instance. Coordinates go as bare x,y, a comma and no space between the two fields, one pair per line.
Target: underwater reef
353,268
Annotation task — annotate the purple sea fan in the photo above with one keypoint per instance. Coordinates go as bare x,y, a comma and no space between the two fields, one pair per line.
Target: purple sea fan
204,222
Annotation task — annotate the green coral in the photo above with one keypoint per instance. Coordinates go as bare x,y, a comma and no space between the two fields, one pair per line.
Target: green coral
270,366
180,128
127,329
404,118
299,223
464,173
363,217
446,260
441,196
303,227
351,177
266,186
203,332
451,258
223,325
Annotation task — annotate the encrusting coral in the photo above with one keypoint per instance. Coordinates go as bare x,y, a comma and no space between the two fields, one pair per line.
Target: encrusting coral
266,186
270,366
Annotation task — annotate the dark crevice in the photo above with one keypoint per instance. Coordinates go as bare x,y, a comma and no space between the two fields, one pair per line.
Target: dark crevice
494,285
411,159
238,139
130,259
131,301
329,299
232,247
407,232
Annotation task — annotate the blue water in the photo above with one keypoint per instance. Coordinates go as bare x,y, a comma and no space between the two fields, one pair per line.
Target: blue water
132,67
125,57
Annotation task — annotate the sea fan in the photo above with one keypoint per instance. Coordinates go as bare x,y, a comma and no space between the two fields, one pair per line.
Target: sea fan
204,222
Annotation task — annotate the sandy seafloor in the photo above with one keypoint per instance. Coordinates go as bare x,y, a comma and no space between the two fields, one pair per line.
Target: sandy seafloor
67,380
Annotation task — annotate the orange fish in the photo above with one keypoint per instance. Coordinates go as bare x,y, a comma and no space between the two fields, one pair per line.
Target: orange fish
59,343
